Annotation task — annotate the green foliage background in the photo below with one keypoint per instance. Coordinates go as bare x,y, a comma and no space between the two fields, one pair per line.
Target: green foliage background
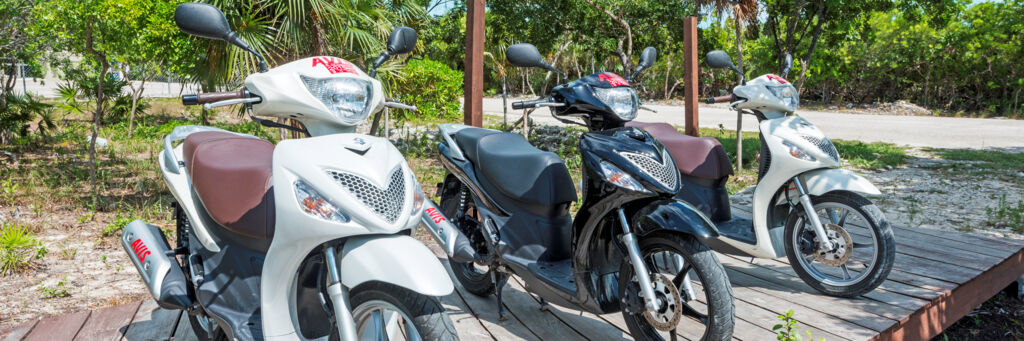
433,87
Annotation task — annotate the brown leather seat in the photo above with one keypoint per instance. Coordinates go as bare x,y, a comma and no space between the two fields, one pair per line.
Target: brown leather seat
701,157
231,174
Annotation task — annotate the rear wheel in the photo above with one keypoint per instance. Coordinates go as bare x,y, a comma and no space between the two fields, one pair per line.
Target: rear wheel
461,210
204,327
691,284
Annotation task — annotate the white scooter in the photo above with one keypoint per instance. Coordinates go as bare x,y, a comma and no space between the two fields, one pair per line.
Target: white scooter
308,239
846,248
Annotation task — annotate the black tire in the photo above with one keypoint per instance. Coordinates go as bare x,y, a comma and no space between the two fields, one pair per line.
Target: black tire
183,228
472,279
712,275
426,312
879,226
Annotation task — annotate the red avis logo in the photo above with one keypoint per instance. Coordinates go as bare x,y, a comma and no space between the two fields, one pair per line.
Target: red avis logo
140,249
434,215
335,64
612,79
772,77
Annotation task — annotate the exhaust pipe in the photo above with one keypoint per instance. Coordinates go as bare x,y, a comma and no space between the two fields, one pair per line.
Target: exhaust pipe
154,259
455,244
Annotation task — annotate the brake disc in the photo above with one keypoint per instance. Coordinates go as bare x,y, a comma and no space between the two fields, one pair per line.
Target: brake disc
842,246
667,316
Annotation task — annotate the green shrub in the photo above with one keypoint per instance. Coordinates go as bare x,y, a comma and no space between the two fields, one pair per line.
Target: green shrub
19,248
57,290
16,111
432,87
118,224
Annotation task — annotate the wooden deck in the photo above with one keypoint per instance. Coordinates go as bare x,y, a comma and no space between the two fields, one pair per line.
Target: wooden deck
938,278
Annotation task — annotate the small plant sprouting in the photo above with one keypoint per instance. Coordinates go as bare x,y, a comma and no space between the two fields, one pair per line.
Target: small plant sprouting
118,224
787,330
19,248
57,290
1007,215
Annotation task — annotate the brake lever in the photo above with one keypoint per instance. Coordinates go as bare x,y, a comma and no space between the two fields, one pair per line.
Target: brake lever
648,109
549,104
397,105
249,100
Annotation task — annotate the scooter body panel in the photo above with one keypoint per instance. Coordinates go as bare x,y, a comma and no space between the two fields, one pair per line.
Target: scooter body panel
821,181
397,259
778,132
297,233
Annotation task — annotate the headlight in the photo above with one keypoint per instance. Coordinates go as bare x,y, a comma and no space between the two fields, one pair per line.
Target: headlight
798,153
315,205
622,100
620,178
346,98
787,93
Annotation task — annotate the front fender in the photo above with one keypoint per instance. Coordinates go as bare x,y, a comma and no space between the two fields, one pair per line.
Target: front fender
674,215
396,259
821,181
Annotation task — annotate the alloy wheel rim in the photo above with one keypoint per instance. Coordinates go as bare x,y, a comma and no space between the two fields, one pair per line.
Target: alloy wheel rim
838,215
380,320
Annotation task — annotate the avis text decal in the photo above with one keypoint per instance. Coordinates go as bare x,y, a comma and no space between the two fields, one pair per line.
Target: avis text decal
140,249
335,64
435,215
772,77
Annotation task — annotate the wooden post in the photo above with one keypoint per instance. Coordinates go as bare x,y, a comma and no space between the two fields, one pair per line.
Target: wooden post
690,75
474,64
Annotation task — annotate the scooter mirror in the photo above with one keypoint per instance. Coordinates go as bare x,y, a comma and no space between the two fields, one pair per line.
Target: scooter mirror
787,66
402,40
202,20
647,59
524,55
718,59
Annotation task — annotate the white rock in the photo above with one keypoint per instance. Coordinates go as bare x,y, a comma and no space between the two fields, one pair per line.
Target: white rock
100,142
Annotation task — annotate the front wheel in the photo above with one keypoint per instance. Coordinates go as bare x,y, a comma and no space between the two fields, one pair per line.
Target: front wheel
399,313
863,245
691,284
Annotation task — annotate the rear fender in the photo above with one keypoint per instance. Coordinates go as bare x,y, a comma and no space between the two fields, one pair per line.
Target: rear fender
396,259
675,216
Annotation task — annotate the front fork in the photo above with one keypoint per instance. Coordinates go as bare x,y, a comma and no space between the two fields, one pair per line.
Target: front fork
812,215
339,297
629,239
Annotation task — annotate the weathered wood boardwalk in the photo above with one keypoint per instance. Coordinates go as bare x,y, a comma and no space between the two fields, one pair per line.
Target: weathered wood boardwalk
938,278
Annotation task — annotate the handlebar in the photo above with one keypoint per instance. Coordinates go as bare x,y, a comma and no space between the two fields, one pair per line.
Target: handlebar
720,99
210,97
528,104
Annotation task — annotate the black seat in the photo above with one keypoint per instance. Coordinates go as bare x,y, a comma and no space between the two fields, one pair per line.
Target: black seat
536,180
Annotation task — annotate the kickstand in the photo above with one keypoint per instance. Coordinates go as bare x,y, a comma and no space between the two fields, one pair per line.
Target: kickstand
544,306
500,279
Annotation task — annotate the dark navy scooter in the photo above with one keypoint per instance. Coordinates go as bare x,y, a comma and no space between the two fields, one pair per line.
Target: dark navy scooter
632,247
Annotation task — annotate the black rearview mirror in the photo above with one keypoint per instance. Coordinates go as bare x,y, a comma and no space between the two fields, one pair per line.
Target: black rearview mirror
202,20
647,59
524,55
402,40
718,59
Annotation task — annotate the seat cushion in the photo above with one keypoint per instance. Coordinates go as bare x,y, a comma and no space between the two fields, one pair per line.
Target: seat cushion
231,175
517,169
702,157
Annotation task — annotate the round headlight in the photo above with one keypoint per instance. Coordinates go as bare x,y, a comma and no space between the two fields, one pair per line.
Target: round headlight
622,100
347,98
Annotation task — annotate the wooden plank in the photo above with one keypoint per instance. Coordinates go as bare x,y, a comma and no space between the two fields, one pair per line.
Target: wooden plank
184,330
152,323
754,323
17,332
992,242
108,323
840,315
466,325
690,77
929,321
584,325
63,327
485,309
544,324
474,64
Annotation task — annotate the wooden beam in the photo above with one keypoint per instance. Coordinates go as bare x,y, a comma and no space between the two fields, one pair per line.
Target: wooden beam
474,64
690,75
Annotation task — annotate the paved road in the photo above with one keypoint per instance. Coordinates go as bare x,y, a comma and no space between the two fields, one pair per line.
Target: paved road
920,131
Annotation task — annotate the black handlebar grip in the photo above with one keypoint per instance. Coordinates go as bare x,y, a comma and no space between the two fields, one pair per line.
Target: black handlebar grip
189,99
518,105
709,100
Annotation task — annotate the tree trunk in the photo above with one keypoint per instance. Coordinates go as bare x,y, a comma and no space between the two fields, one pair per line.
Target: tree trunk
805,64
739,42
136,94
504,99
627,54
668,73
96,117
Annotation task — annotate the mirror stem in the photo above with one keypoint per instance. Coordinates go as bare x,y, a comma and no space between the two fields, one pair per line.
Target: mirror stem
380,61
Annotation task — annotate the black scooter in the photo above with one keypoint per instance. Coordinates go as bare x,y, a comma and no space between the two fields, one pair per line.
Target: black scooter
632,247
